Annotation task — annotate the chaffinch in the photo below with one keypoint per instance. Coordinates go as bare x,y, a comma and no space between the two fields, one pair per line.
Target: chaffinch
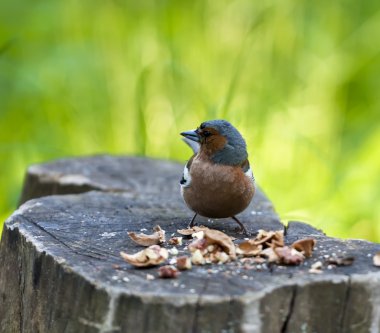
217,181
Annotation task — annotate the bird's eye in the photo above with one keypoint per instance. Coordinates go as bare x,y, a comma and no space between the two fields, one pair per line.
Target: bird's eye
206,133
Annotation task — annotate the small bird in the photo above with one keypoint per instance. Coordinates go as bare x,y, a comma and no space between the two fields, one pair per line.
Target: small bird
217,181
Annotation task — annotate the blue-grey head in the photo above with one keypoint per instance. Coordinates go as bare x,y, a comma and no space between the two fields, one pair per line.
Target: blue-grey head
220,141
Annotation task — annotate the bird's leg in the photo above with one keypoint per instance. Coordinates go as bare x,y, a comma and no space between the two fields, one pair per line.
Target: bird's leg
191,224
242,227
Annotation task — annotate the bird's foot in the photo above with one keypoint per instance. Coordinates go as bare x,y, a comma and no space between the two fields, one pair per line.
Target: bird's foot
242,229
191,224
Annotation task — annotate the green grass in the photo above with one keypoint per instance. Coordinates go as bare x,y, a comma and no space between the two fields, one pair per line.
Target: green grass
300,79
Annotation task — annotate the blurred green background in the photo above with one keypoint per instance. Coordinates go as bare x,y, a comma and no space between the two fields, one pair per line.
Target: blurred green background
300,79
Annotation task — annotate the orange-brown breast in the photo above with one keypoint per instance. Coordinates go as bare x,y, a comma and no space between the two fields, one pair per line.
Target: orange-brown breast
216,190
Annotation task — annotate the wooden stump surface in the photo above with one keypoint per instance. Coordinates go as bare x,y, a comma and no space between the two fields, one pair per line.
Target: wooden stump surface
62,272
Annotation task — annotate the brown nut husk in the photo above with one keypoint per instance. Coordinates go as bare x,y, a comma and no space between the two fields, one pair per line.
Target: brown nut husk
306,246
190,231
248,249
151,256
269,238
216,237
158,237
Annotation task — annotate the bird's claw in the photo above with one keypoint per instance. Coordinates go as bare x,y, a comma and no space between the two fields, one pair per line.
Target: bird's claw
242,229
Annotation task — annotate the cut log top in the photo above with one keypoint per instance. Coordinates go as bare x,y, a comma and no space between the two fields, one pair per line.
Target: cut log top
133,175
63,271
104,173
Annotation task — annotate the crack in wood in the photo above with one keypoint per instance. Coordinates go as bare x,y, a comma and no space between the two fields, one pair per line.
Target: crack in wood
194,328
22,287
107,325
231,320
345,305
285,229
284,328
99,257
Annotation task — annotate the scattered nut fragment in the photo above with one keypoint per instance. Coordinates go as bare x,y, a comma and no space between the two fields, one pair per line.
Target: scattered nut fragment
197,228
340,261
316,268
161,232
150,277
376,259
151,256
197,244
270,254
258,260
269,238
289,256
173,251
172,261
305,246
315,271
317,265
168,272
190,231
253,260
185,232
211,246
175,241
216,237
197,258
158,237
199,234
183,263
222,257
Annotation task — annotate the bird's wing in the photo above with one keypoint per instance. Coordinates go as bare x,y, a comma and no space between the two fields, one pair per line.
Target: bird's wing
192,144
247,170
186,177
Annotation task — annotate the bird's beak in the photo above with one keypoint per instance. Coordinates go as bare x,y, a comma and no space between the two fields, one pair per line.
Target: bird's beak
191,135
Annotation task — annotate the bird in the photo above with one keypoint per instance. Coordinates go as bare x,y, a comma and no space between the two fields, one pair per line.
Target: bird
217,181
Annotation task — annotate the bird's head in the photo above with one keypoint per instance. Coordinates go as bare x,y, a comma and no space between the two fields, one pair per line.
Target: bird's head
219,141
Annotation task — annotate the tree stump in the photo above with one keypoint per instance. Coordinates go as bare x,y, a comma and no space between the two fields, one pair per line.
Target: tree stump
61,270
